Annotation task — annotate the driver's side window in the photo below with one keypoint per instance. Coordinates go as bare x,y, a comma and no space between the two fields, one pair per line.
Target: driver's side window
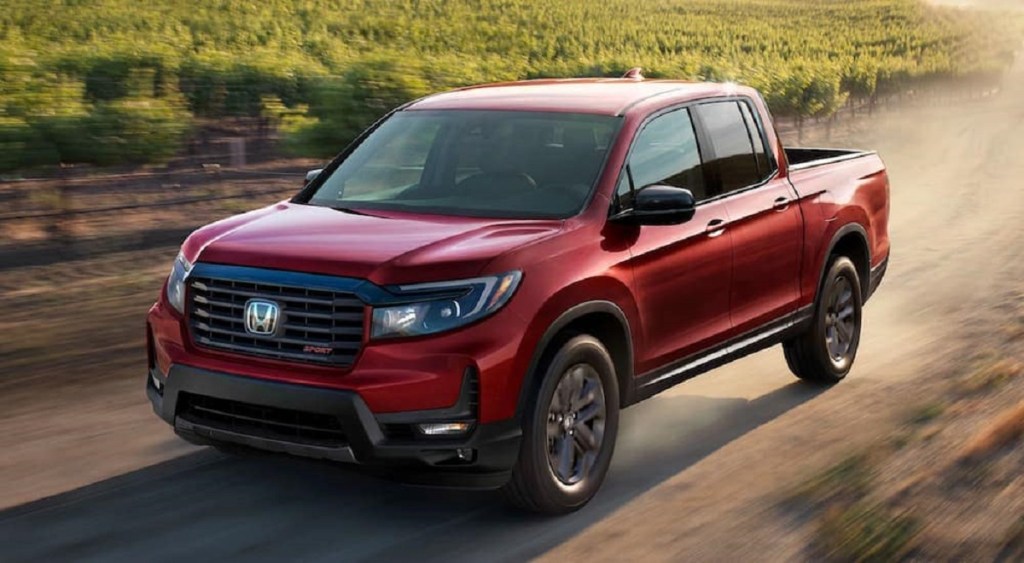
665,152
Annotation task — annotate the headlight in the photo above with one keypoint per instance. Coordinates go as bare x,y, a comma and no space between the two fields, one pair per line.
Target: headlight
176,283
440,306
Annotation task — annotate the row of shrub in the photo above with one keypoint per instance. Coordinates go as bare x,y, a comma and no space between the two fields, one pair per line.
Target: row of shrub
119,81
127,131
48,120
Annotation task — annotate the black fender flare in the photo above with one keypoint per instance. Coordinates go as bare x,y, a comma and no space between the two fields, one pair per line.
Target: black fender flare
846,229
531,379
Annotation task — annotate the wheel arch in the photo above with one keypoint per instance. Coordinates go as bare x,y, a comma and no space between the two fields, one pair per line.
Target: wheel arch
601,319
851,241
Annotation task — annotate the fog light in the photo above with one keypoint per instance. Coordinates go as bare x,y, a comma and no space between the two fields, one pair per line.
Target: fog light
444,428
464,454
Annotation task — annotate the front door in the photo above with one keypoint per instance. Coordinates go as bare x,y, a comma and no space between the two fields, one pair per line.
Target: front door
681,272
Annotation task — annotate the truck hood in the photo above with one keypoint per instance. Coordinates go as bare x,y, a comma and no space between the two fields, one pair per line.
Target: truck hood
385,247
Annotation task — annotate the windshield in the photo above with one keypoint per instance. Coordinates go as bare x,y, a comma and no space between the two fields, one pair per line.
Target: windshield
512,164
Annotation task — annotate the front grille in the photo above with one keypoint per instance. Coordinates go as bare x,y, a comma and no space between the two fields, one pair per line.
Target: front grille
317,326
272,423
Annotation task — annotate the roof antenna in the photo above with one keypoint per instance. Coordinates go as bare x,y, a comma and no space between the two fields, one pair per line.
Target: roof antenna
635,73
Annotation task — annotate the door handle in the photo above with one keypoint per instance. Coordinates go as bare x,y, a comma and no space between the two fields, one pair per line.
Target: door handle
780,203
715,228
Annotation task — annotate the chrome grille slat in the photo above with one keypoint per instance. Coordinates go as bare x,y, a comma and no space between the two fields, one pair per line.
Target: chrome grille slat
207,301
248,350
246,295
351,331
336,316
314,329
311,319
278,339
215,316
291,293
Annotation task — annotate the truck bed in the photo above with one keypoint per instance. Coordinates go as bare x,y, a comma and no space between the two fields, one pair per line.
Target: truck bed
842,187
800,158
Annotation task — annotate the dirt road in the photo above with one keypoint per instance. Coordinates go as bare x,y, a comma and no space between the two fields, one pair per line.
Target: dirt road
699,469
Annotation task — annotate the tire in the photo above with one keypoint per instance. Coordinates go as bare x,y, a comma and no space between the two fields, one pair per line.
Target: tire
824,353
556,471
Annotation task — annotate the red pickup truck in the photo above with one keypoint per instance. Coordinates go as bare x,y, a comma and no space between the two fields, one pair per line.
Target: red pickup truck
473,289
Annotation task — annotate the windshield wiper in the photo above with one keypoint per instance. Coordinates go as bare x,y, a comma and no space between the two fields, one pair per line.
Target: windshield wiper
351,211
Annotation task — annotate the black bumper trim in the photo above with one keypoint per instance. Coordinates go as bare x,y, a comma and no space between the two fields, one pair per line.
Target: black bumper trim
214,435
427,461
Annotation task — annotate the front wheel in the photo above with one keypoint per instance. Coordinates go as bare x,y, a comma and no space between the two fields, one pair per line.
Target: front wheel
569,430
824,353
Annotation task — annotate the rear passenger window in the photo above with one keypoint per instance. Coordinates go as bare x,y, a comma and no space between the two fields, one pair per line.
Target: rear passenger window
734,152
764,168
665,152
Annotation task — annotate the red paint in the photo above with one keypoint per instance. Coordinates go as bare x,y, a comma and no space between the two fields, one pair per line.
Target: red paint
578,95
682,280
766,262
679,289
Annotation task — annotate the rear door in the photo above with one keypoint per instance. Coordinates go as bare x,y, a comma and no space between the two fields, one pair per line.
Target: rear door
681,272
764,218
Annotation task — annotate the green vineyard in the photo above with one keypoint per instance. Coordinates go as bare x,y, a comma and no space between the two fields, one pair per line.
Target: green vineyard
120,81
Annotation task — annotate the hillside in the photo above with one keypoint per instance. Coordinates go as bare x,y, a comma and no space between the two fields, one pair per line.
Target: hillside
112,81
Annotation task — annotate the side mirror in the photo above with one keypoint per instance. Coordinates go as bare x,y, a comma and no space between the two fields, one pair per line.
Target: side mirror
660,205
312,174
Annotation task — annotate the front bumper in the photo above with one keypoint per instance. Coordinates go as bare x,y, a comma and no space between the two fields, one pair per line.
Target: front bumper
488,452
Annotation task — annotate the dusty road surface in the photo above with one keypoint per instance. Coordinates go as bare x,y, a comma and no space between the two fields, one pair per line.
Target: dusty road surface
699,470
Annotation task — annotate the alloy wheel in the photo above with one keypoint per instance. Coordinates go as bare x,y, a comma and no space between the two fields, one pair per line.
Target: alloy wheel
840,321
575,424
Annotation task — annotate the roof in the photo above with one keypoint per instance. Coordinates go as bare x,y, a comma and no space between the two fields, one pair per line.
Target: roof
605,96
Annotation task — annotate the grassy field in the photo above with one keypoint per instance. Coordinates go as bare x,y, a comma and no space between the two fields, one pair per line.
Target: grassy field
118,81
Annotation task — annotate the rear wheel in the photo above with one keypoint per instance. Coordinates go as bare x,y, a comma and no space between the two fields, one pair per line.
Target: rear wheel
824,353
569,431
